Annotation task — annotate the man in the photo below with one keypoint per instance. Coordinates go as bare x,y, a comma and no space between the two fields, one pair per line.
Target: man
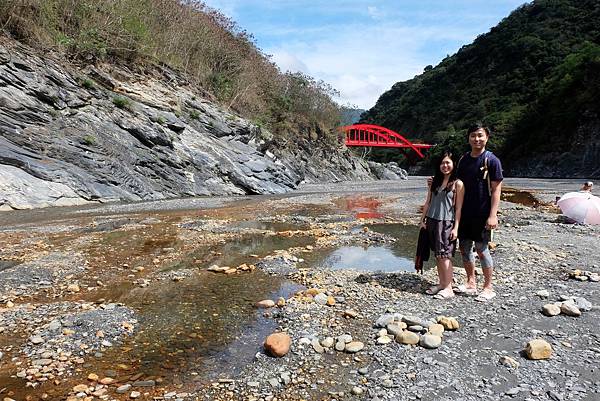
481,172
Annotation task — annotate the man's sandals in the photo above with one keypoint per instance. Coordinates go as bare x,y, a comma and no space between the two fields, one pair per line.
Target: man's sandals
433,290
486,296
463,289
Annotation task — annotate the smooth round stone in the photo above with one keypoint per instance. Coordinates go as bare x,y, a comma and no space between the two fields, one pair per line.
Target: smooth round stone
551,310
408,337
412,321
382,332
327,342
123,389
543,293
354,346
36,339
583,304
265,304
363,371
570,309
346,338
278,344
538,349
436,329
415,328
321,298
340,346
317,346
395,328
356,390
430,341
384,340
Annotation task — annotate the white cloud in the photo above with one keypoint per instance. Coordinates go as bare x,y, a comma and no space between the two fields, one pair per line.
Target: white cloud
288,62
374,12
362,61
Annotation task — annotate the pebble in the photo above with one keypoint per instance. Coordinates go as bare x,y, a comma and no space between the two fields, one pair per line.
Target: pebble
278,344
395,328
430,341
135,394
408,337
317,346
124,388
356,390
265,304
551,310
354,347
449,323
340,345
436,329
384,340
36,339
321,298
538,349
583,304
328,342
508,361
570,309
543,293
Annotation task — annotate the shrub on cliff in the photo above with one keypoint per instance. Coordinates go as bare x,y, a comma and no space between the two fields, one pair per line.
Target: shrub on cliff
203,43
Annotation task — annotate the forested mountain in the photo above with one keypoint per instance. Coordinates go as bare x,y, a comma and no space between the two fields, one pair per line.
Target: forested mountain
534,79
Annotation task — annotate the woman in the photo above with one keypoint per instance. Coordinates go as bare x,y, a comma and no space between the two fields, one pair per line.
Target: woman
441,216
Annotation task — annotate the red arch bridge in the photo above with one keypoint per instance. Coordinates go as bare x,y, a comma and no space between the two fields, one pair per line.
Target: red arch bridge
374,135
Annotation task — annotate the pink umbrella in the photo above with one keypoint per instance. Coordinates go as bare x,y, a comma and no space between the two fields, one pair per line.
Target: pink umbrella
583,207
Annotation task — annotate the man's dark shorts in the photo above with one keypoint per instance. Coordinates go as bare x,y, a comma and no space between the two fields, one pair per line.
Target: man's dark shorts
473,228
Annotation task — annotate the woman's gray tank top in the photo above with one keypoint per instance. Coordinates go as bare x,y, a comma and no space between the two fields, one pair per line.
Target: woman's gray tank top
441,206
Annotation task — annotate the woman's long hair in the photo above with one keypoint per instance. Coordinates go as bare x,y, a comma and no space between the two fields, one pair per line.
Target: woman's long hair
438,176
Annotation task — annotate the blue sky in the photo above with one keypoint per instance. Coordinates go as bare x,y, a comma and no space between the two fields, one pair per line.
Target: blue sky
363,47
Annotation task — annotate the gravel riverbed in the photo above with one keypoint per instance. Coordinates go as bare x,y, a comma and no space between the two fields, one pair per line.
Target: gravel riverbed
74,298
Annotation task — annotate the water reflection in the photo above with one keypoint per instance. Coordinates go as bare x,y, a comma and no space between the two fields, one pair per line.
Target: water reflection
372,258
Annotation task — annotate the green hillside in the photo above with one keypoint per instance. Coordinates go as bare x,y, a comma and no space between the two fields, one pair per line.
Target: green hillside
533,79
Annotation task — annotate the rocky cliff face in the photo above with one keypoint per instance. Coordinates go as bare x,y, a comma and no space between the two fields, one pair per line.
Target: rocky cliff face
71,135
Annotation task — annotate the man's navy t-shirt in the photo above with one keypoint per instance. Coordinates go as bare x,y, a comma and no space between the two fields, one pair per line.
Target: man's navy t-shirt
477,201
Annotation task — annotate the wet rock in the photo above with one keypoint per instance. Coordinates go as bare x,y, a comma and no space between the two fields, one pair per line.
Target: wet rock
144,383
265,304
80,388
538,349
123,389
278,344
